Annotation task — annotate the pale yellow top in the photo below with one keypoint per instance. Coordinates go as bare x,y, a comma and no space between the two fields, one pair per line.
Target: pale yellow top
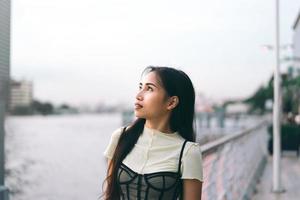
156,151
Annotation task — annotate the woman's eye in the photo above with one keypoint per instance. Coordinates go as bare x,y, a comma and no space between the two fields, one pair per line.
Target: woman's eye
148,88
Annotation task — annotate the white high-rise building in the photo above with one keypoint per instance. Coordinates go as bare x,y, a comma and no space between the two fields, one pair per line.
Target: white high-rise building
21,94
296,43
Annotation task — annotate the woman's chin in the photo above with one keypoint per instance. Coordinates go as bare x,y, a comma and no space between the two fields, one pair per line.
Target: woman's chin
138,114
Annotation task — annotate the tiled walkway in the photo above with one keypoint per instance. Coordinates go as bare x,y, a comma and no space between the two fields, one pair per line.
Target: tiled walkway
290,168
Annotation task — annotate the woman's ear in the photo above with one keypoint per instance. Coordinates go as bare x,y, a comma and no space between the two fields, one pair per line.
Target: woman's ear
172,102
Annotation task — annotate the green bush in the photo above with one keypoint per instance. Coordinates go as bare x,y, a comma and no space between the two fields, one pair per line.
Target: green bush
290,138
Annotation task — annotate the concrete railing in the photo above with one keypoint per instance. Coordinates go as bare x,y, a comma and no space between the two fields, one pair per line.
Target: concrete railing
4,193
233,163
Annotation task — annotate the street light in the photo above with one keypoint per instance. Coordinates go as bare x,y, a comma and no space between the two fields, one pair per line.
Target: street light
277,104
284,46
277,187
277,110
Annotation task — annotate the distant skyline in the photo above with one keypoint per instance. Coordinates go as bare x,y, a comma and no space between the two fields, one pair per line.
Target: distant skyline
89,52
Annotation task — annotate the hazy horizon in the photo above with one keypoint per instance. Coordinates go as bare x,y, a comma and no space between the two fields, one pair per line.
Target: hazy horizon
90,51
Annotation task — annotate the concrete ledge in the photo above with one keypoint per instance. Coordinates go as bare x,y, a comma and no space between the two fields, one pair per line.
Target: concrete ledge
4,193
256,176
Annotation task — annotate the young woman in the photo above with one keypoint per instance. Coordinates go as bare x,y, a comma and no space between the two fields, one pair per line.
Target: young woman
156,157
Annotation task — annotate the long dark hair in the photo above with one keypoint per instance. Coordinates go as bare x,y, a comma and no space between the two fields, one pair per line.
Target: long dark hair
176,83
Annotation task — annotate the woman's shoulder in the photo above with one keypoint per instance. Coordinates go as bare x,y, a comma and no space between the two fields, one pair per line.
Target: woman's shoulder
190,143
114,138
192,167
117,132
192,149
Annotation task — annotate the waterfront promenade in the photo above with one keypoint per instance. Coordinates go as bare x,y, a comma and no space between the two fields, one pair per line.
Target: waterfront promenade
238,166
233,163
290,168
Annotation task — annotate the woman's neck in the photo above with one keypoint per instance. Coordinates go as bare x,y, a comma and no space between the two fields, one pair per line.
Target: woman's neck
161,125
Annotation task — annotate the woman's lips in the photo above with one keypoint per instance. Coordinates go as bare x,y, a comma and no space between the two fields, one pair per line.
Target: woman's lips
137,106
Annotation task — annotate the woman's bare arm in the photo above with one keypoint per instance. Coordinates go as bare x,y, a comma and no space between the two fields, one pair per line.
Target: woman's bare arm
192,189
108,163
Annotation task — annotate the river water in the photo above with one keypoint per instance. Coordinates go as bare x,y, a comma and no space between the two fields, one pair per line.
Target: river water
60,157
57,157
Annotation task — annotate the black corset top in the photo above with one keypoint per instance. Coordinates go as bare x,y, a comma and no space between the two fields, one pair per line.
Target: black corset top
163,185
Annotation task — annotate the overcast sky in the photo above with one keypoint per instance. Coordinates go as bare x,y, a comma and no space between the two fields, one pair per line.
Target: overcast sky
90,51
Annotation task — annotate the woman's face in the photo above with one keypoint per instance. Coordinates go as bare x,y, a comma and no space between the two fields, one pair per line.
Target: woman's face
150,100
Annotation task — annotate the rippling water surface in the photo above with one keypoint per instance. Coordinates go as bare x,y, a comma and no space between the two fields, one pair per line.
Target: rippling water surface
57,157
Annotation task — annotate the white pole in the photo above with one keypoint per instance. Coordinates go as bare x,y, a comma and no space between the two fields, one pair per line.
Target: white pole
277,111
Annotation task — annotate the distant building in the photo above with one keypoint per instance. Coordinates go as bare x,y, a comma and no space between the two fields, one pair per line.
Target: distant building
237,108
296,43
21,94
203,104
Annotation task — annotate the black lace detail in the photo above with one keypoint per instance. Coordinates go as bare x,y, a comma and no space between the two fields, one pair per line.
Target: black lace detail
162,185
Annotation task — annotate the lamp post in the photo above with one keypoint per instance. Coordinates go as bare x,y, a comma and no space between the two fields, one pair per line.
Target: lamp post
277,110
277,105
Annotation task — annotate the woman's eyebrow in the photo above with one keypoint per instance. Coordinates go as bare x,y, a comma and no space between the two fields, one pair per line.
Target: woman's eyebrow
148,84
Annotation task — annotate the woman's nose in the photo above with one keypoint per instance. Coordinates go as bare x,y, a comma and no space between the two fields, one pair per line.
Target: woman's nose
139,96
